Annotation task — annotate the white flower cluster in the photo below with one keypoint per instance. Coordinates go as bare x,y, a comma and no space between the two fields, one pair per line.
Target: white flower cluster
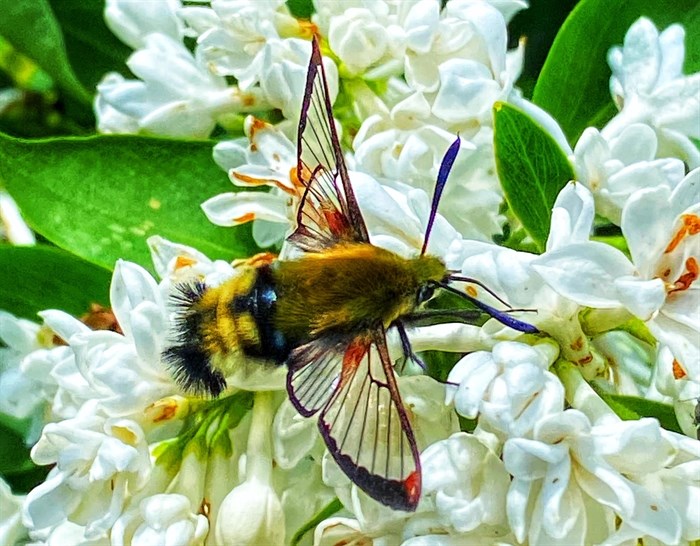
648,144
183,93
440,72
548,461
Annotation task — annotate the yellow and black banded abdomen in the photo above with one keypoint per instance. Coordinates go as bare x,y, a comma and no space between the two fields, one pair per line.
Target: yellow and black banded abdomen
218,326
254,314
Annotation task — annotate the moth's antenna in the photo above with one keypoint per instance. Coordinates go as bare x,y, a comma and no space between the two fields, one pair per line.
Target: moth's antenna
445,168
500,316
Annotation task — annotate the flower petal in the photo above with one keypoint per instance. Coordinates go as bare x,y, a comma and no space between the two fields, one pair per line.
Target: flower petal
585,273
232,209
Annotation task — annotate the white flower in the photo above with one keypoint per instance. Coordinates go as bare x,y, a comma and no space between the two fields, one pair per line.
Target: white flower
65,534
175,96
161,519
509,7
406,139
677,388
302,494
251,513
13,228
11,529
628,357
613,170
97,461
30,373
467,481
395,214
176,263
509,388
470,30
511,275
658,285
283,73
268,160
123,373
255,42
294,437
648,86
343,530
233,35
371,38
572,480
62,383
449,55
131,22
21,395
365,37
409,148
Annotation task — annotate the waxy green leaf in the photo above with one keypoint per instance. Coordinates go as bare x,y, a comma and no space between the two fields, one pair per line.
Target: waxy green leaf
630,408
14,454
93,50
16,467
36,278
574,83
102,197
531,167
31,27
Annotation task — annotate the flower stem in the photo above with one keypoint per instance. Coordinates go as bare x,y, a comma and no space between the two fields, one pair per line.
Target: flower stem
579,394
259,452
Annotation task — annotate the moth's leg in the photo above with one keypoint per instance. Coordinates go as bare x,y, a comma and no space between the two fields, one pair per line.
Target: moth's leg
407,349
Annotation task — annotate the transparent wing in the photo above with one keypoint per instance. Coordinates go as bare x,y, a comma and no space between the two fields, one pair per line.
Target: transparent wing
328,213
314,373
362,418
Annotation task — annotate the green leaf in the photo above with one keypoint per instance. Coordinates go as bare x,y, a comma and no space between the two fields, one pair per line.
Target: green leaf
539,24
630,408
616,241
36,278
23,482
102,197
532,169
327,511
31,28
301,9
21,427
574,83
16,467
92,48
14,454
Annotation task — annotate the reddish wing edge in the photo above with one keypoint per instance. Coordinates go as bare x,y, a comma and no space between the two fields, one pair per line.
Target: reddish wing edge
328,213
362,418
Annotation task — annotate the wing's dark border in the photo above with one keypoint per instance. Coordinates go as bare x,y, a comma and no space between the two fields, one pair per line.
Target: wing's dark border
317,98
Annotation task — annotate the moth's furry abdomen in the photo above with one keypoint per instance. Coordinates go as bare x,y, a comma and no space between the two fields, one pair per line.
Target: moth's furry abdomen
190,358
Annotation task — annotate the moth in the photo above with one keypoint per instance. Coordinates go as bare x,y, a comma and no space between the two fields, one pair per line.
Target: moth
325,315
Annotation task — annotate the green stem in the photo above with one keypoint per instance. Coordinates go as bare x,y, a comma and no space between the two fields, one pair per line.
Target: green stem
598,321
259,452
579,394
327,511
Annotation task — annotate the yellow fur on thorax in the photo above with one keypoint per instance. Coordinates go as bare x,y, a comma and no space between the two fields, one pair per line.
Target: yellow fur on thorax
347,287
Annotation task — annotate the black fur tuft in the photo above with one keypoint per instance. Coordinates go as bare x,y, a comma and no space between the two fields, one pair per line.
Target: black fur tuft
188,358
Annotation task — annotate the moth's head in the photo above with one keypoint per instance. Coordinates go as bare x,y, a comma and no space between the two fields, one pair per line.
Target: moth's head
429,271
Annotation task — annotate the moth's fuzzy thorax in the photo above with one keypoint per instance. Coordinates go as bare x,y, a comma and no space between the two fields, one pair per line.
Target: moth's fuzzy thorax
348,288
